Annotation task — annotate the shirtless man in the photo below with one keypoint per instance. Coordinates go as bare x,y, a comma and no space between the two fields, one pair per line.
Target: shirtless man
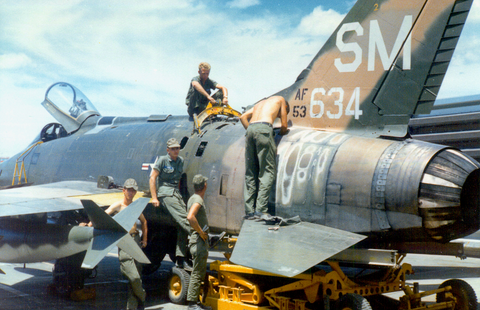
260,152
128,266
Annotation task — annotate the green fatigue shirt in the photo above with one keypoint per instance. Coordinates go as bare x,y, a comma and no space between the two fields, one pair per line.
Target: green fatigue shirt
201,214
169,175
197,100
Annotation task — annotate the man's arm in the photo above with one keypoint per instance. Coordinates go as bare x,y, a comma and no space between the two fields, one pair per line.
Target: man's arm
192,219
153,187
202,91
225,93
283,117
144,229
245,118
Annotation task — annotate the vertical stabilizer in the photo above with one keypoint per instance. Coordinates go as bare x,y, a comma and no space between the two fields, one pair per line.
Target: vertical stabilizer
384,62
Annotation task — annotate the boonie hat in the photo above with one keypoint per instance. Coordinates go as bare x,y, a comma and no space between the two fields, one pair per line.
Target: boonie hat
130,183
199,181
172,142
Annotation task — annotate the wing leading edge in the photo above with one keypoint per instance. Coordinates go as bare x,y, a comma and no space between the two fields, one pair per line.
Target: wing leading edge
53,197
290,250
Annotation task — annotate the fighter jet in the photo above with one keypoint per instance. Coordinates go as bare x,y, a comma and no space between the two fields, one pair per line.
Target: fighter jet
346,167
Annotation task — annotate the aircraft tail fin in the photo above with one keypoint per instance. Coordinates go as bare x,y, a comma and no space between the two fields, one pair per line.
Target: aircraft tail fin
385,62
110,232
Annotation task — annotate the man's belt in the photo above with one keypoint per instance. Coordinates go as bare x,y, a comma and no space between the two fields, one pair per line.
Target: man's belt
170,184
261,123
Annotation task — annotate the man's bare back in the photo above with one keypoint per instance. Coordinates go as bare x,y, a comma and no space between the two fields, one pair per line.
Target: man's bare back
267,111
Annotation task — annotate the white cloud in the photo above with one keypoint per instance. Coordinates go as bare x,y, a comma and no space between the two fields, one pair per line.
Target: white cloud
474,15
320,22
242,4
138,59
14,61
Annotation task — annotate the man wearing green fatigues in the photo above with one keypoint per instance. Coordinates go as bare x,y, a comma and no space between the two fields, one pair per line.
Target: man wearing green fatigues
201,87
164,186
260,153
197,217
129,267
260,164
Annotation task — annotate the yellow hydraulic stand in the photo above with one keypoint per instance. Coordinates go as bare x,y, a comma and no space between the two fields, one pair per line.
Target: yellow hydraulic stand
234,287
19,172
211,110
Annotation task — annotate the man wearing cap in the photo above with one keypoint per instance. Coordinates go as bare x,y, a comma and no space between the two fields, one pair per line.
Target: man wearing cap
197,217
164,186
128,266
261,152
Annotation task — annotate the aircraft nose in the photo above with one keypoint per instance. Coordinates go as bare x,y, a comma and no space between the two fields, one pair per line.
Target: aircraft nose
449,195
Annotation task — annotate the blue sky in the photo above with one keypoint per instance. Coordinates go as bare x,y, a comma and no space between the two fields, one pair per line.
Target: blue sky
137,59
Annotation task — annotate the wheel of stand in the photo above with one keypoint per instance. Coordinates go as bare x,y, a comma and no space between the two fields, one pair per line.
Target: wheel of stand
463,292
353,302
178,285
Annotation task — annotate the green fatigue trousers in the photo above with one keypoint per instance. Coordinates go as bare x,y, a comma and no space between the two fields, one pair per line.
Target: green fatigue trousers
260,167
131,269
199,251
177,209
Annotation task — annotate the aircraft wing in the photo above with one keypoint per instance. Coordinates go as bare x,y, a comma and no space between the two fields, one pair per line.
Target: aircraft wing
290,250
53,197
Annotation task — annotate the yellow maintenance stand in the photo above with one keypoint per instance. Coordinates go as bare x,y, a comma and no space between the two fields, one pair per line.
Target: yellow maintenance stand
233,287
212,110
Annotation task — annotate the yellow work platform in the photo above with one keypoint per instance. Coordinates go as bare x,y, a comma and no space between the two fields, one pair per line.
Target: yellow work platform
235,287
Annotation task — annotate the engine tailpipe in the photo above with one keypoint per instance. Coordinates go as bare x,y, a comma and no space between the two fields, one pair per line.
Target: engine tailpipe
449,196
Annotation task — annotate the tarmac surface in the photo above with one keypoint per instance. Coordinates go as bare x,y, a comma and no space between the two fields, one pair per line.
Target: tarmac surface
27,287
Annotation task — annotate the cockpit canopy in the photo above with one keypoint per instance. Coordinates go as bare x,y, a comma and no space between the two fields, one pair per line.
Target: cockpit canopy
68,105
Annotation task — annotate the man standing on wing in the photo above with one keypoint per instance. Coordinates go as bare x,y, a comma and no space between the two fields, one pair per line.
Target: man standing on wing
260,152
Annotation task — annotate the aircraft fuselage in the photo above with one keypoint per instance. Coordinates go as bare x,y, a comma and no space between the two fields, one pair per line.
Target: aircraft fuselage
377,187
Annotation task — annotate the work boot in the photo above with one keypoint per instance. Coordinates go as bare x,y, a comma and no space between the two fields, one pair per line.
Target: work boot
214,239
266,217
183,264
259,215
202,306
198,306
249,216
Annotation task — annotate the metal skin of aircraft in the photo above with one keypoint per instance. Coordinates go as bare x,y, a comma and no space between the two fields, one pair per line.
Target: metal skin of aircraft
345,167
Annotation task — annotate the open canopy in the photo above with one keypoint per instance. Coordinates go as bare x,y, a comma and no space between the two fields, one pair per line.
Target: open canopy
68,105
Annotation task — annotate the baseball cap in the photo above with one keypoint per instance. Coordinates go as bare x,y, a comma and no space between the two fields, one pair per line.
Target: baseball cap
172,142
130,183
199,181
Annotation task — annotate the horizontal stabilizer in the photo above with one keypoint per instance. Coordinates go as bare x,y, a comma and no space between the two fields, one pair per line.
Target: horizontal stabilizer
129,245
127,219
100,220
109,233
290,250
99,248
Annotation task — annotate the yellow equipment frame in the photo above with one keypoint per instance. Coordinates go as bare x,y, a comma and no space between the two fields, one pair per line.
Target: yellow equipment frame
211,110
240,288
